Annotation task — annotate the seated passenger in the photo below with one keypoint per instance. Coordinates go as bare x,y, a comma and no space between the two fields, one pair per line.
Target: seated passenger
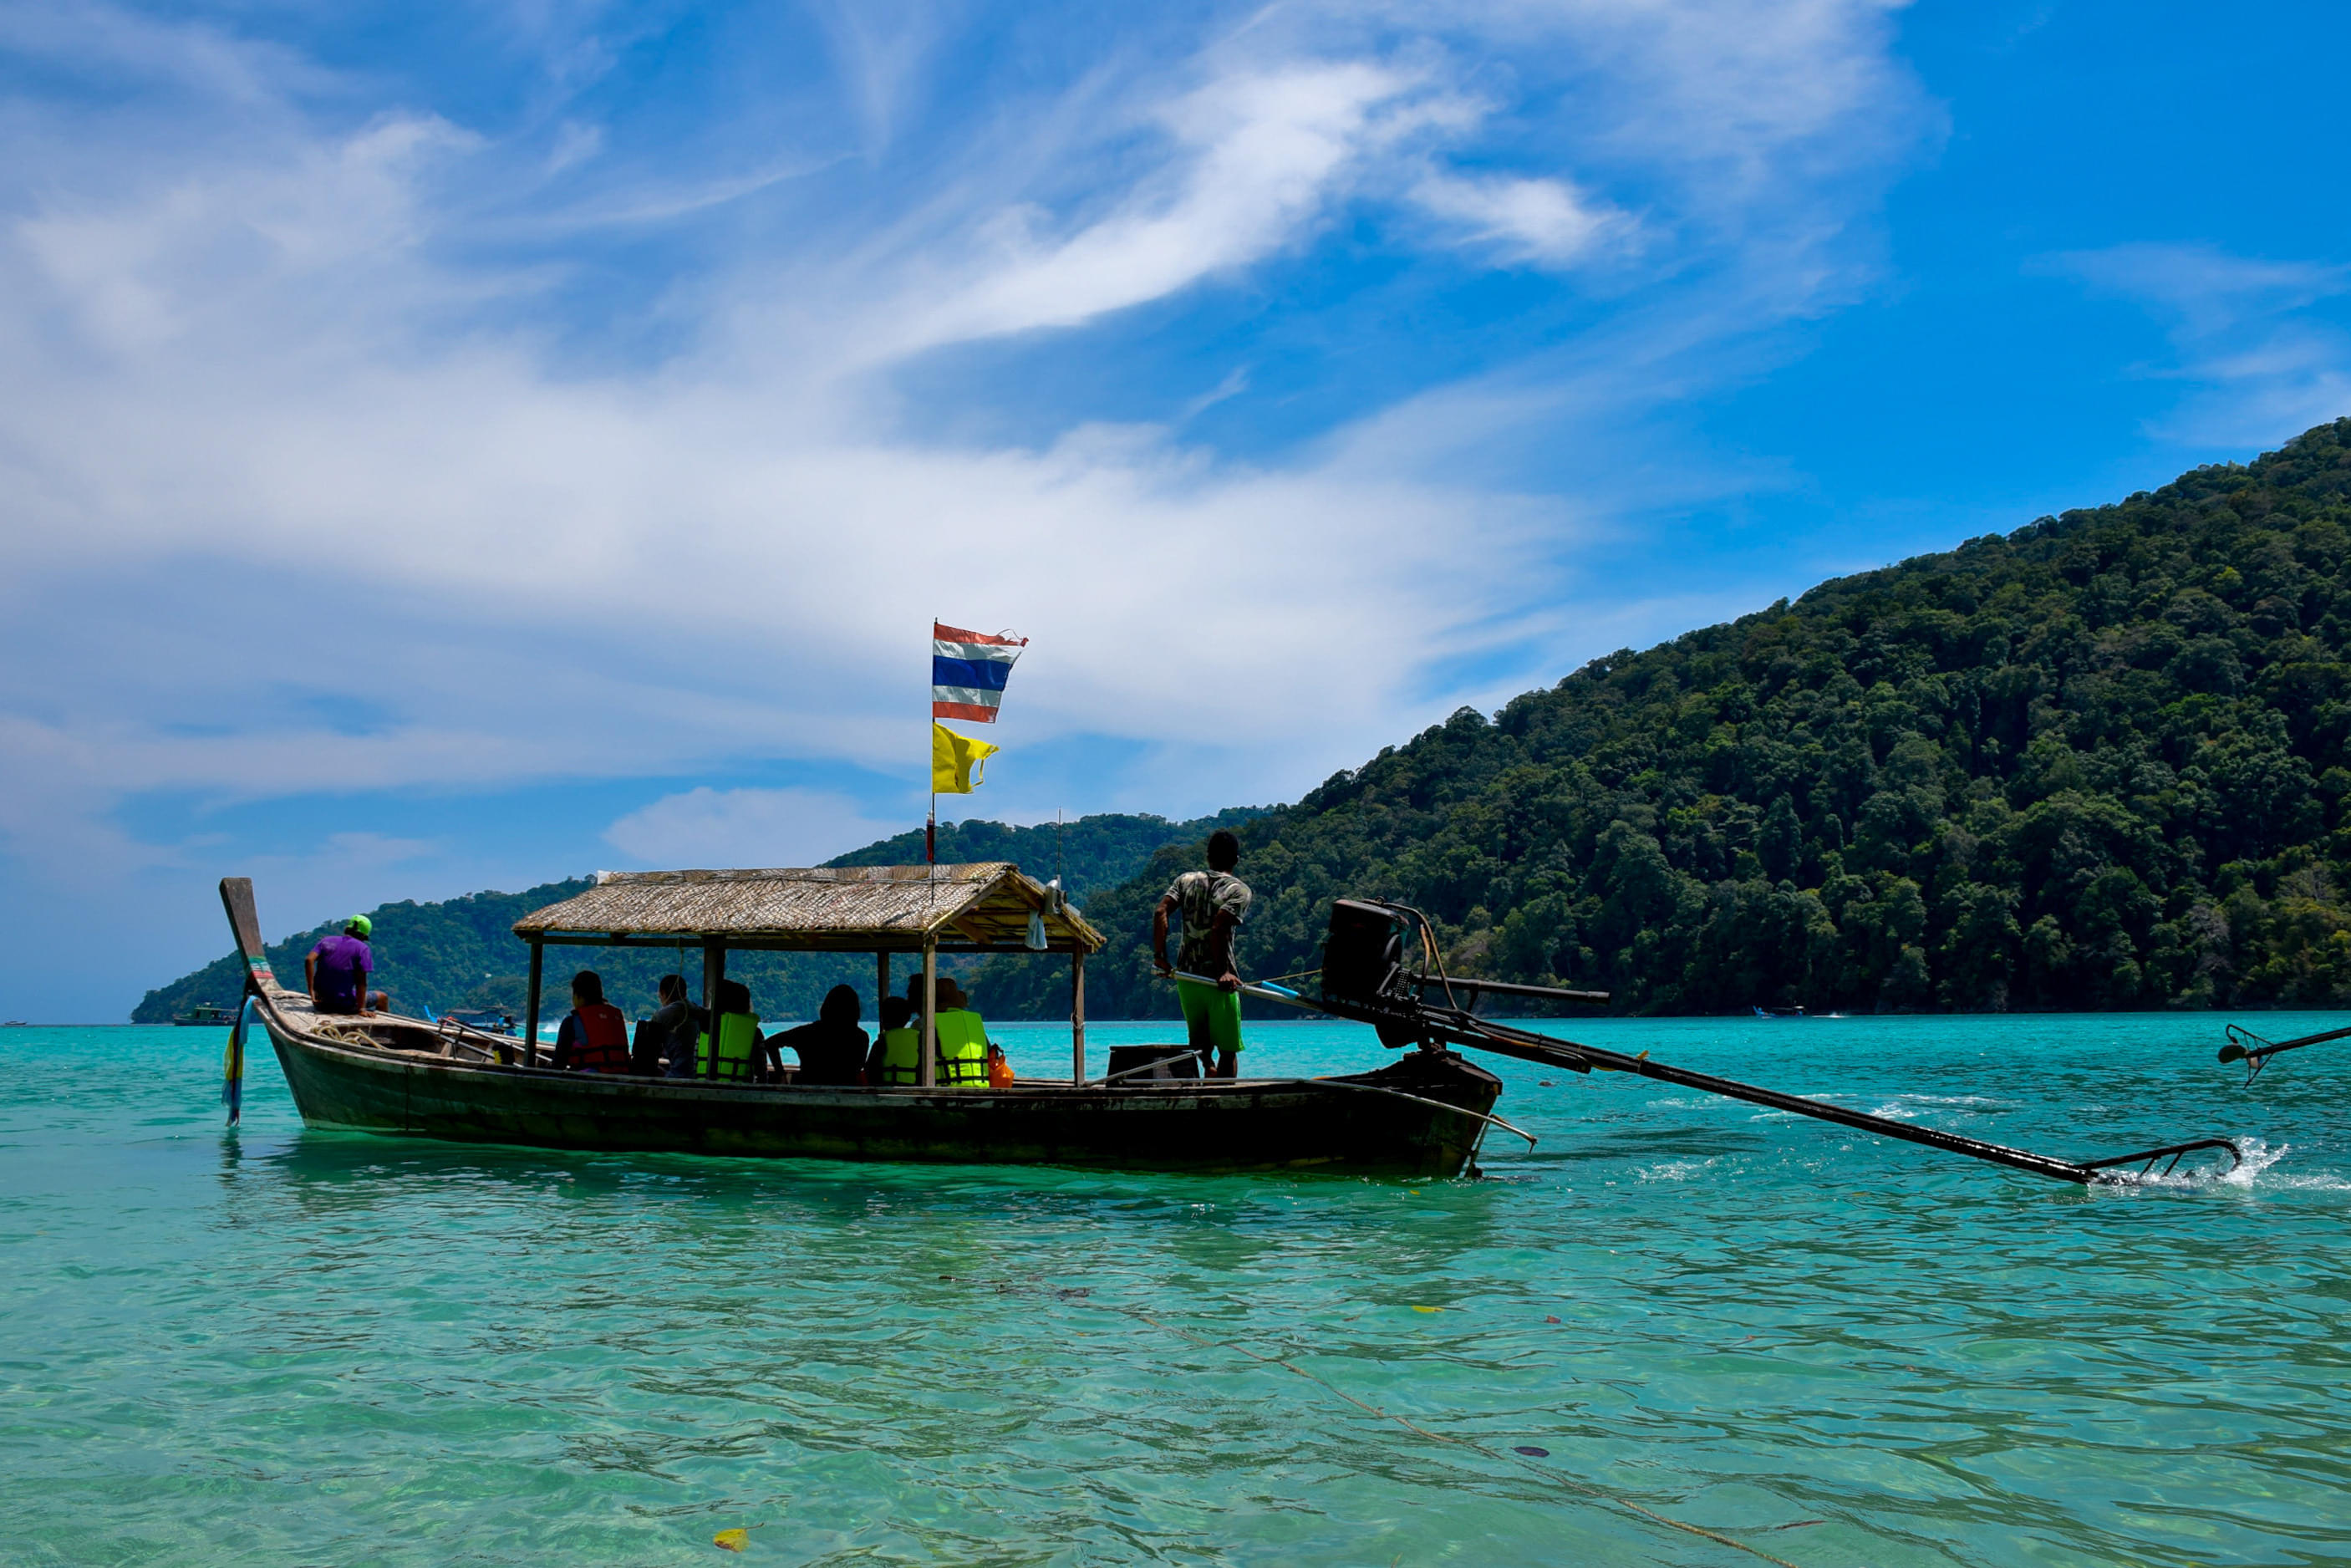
832,1048
962,1041
898,1049
335,972
593,1037
665,1040
741,1049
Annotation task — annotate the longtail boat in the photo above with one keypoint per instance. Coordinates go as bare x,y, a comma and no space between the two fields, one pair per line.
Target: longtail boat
1422,1115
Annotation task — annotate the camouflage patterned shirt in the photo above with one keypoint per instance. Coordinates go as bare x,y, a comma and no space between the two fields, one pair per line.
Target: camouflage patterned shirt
1200,896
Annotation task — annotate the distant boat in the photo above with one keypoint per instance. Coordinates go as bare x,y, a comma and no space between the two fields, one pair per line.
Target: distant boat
206,1014
487,1021
1763,1012
14,1024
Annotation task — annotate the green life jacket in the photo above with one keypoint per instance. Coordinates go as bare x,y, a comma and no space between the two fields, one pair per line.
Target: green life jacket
963,1052
738,1036
901,1056
963,1049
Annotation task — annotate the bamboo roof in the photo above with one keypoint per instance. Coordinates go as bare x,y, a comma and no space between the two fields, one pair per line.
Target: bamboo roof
982,907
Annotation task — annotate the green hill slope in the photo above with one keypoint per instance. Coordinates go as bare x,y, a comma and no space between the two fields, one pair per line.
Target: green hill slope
2097,763
460,953
463,952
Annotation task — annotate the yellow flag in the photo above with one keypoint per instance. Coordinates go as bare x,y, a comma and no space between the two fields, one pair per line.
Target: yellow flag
957,761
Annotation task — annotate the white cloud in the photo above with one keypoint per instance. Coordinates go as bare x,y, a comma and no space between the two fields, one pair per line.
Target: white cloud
2256,362
282,434
707,827
1261,155
886,50
1765,114
1548,223
225,248
341,855
2204,288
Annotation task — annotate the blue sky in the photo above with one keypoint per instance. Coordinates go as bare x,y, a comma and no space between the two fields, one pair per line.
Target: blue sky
460,446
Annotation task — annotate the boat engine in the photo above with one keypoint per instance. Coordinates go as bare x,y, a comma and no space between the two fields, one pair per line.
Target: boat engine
1362,966
1363,957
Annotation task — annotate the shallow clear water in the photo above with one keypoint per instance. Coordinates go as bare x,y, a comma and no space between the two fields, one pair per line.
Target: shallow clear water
284,1346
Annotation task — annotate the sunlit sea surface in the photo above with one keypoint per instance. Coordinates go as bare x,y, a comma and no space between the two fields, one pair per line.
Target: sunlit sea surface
282,1346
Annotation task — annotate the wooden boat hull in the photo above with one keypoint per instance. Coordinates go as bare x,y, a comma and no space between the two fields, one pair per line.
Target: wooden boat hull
1405,1119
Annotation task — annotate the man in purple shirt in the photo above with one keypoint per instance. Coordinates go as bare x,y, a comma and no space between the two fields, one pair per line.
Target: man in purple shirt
337,971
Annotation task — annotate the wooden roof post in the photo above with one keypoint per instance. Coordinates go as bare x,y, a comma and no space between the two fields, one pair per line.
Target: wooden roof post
530,1015
927,1074
713,970
1077,1015
881,987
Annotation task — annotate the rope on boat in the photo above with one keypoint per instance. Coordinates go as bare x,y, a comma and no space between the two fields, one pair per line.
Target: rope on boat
467,1035
1586,1488
1424,1100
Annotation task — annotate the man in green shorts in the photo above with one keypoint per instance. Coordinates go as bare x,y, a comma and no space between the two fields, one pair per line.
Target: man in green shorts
1213,903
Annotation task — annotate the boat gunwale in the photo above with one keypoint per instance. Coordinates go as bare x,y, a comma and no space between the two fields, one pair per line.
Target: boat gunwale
1160,1091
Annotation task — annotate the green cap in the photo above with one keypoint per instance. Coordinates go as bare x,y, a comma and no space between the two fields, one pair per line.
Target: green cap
359,926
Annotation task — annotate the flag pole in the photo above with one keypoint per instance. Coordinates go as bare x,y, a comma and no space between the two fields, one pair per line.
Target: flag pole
931,824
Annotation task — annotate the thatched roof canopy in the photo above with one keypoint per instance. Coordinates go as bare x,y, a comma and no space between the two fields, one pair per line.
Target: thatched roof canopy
885,908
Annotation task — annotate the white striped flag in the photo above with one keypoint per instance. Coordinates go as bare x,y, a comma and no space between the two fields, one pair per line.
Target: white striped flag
969,670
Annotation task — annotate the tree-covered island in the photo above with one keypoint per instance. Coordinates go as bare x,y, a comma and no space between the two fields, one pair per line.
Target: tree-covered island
2096,763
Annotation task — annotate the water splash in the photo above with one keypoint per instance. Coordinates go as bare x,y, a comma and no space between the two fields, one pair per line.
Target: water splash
2258,1160
1907,1107
1676,1170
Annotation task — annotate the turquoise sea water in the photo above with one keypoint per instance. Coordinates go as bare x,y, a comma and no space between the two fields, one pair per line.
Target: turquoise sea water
282,1346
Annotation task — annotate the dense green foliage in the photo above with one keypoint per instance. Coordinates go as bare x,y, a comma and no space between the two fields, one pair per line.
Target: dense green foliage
1089,854
2097,763
464,952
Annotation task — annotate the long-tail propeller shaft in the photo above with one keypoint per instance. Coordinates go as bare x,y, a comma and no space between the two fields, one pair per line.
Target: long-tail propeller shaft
1364,979
2251,1048
1461,1029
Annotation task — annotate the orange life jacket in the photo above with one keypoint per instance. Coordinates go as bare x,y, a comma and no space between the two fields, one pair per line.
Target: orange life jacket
601,1042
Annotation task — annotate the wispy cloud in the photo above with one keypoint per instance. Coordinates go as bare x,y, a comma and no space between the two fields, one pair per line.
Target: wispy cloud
1546,223
2259,362
1260,156
2203,287
705,827
227,247
580,454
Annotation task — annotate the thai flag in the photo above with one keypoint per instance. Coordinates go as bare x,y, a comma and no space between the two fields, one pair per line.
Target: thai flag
969,670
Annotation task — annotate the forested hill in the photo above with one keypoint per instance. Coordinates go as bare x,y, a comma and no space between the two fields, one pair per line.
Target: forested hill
464,952
2096,763
460,953
1089,854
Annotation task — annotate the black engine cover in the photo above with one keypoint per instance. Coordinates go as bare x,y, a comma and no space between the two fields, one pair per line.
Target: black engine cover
1363,957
